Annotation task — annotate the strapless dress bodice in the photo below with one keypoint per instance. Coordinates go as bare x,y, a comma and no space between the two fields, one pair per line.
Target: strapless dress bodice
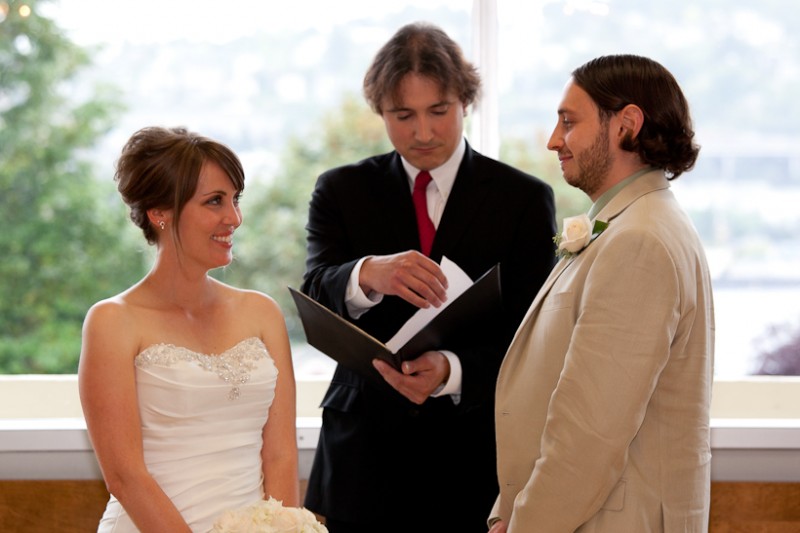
202,418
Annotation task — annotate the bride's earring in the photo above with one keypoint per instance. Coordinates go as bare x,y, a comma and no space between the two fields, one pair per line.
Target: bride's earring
162,224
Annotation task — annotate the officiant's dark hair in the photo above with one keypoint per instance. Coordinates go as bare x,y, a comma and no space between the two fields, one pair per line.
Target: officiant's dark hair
666,139
423,49
159,169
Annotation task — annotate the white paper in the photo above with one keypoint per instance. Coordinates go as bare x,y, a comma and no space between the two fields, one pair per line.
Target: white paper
457,282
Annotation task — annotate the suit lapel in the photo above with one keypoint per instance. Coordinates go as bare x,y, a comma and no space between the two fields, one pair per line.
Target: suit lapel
391,186
467,195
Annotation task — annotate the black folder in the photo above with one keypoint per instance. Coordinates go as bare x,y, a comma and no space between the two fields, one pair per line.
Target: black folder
355,349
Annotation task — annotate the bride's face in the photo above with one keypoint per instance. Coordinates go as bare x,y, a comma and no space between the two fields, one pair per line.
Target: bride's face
209,219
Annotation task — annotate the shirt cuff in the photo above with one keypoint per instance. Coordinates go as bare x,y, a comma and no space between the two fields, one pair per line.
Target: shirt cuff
452,386
356,302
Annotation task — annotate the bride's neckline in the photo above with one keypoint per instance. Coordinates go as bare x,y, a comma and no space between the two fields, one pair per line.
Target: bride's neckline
233,366
158,345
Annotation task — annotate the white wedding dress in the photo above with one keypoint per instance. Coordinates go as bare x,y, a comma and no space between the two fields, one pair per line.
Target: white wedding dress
202,417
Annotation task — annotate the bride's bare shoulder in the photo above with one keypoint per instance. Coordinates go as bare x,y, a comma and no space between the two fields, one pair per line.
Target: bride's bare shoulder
252,300
110,311
119,309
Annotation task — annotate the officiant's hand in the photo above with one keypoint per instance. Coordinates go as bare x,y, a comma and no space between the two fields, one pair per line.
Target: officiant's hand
410,275
420,376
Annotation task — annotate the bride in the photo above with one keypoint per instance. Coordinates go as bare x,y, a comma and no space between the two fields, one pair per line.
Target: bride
186,383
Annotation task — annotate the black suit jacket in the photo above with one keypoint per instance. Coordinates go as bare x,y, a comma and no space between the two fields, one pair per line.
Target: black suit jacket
381,459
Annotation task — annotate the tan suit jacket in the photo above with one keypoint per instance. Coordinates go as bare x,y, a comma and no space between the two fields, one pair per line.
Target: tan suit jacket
602,412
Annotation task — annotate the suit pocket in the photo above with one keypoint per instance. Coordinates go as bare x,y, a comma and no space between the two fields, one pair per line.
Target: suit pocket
558,300
341,397
616,500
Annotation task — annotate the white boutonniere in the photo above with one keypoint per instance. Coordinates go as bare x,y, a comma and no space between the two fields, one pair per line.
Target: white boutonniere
578,232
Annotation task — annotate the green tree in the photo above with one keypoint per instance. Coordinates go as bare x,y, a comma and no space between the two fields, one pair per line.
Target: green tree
271,248
63,242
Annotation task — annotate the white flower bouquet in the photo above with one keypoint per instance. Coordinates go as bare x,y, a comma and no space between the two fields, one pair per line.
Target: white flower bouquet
268,516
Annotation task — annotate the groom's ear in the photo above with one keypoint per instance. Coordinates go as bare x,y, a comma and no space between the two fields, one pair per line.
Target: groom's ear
631,120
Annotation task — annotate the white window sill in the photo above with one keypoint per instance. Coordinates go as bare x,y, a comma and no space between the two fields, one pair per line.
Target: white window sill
59,448
755,429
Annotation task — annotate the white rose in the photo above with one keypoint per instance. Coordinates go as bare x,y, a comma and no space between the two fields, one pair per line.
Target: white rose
576,235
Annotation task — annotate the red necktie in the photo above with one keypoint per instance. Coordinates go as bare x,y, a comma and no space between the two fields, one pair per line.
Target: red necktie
424,223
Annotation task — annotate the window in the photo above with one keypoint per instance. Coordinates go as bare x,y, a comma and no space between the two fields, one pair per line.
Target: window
282,87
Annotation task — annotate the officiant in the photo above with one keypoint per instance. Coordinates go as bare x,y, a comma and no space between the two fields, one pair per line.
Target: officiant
423,445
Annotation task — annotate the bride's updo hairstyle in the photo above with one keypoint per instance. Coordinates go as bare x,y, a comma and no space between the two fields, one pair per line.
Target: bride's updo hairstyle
159,169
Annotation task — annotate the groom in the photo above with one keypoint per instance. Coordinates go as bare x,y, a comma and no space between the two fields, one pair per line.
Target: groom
602,403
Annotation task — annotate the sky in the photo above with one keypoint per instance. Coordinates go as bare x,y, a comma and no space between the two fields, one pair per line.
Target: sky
147,21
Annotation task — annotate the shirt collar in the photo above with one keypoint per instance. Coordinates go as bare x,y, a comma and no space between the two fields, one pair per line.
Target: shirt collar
443,176
612,192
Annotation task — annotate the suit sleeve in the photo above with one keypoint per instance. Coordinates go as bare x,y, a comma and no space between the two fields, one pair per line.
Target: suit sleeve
328,265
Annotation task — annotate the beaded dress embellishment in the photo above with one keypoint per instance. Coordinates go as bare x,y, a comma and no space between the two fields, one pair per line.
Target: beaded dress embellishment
232,366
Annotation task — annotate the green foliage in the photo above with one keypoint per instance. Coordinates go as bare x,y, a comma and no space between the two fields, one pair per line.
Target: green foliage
60,243
271,245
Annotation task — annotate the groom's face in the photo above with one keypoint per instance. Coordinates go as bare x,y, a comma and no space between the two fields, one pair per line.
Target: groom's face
581,139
